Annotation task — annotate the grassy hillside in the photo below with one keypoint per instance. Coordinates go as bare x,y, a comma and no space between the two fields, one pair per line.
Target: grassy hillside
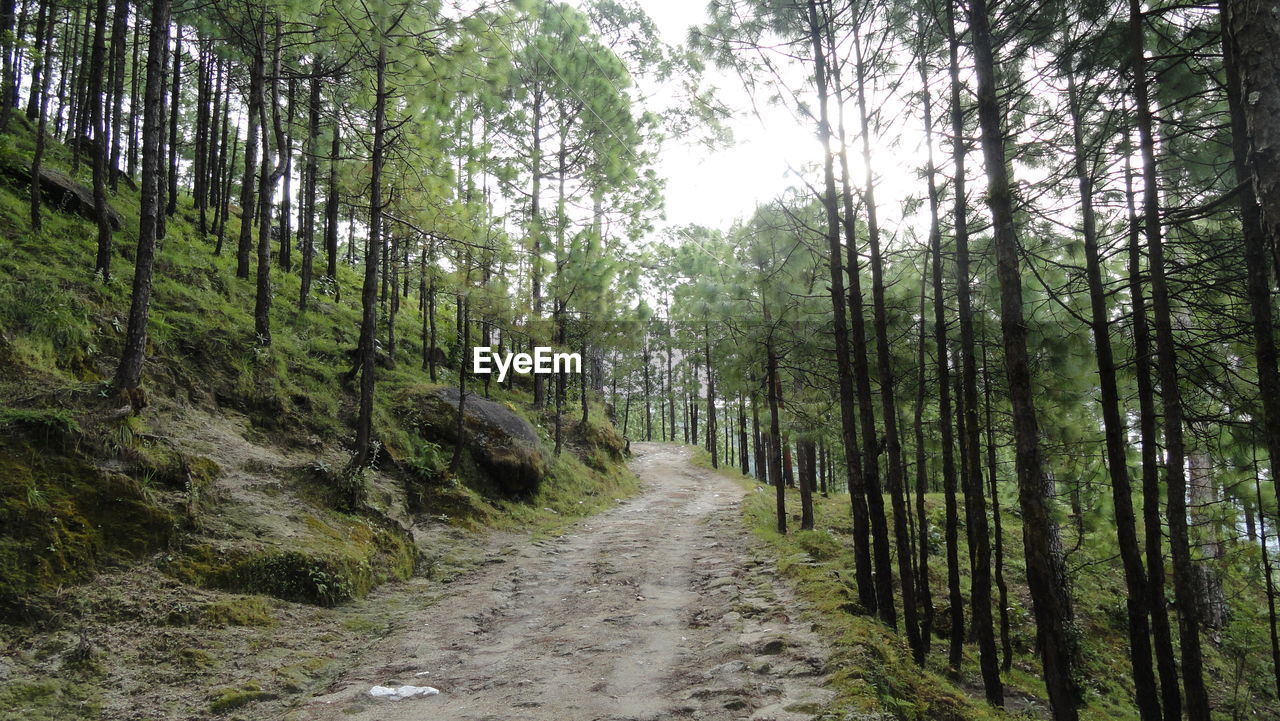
209,542
873,671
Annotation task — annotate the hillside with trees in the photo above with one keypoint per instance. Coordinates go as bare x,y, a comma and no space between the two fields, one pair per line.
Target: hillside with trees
998,369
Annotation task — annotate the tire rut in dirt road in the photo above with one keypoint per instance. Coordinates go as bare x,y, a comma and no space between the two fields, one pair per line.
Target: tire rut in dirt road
660,607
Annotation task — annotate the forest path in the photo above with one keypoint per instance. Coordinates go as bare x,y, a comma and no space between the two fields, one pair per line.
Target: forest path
663,606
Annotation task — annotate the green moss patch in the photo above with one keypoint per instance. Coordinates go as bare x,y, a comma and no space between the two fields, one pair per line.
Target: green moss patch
63,517
46,700
246,611
231,699
341,558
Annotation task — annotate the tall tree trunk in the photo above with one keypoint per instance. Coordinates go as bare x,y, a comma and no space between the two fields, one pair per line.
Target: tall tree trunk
1254,30
1248,46
8,45
270,175
775,430
648,405
1115,432
464,340
129,372
859,492
97,116
711,400
967,398
535,260
247,184
955,597
39,68
369,292
133,99
758,459
1270,584
175,90
1046,572
42,111
888,401
331,207
286,200
1196,696
310,171
1170,694
1006,636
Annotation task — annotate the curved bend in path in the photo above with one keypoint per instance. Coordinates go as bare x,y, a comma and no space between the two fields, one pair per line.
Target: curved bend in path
662,607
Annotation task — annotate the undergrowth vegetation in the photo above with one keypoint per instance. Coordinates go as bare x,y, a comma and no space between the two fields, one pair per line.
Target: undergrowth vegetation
83,484
872,670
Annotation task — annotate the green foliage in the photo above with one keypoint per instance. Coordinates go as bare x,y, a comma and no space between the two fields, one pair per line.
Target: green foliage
48,423
429,462
244,611
233,698
297,576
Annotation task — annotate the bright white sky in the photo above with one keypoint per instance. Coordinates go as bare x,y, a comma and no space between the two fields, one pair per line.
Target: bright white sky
714,188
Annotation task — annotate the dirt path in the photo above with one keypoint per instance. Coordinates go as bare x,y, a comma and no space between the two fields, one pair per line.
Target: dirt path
663,606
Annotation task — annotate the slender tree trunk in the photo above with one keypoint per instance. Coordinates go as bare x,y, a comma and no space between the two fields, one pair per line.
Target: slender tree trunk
1170,694
133,99
310,171
1115,432
775,430
648,405
921,461
176,90
9,46
1270,585
369,292
42,125
270,175
1006,636
711,400
858,490
1046,572
804,449
761,472
535,230
40,67
955,597
286,201
1196,696
97,115
464,340
967,402
129,372
331,207
247,183
889,405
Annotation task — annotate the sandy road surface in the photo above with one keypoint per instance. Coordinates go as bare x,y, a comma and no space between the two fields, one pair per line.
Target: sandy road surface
661,607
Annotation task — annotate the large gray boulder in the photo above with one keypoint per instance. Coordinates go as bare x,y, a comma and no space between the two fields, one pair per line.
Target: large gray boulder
62,192
504,445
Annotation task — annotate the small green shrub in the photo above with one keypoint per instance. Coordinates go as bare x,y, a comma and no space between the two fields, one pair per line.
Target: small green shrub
296,576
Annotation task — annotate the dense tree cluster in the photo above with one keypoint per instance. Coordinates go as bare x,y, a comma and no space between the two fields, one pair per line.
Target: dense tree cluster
498,155
1072,308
